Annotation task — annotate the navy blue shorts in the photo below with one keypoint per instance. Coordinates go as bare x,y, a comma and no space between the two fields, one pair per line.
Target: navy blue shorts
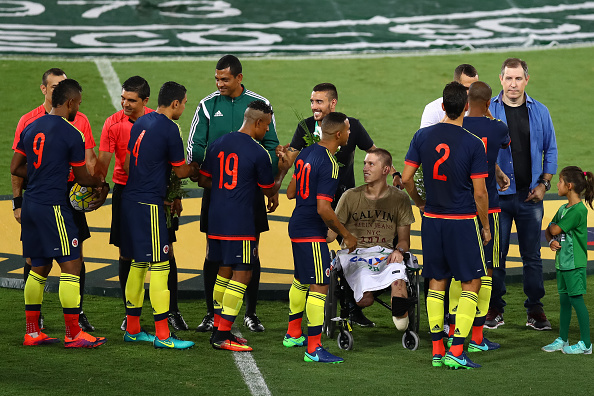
492,248
49,232
312,262
452,248
144,235
238,254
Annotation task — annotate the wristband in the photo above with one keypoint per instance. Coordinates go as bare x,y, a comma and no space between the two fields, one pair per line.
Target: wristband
551,241
396,174
17,203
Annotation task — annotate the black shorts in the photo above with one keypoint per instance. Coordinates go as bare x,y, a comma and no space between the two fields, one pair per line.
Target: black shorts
116,204
80,219
260,217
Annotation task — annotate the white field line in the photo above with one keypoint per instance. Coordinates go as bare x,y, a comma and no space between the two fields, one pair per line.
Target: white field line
249,371
111,81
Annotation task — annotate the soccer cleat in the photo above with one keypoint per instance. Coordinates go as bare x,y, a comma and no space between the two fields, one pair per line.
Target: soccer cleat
84,324
356,316
494,319
41,339
538,321
450,341
253,323
84,340
320,355
139,337
41,322
486,345
437,360
176,320
206,324
231,344
462,361
556,345
124,325
290,342
577,349
172,343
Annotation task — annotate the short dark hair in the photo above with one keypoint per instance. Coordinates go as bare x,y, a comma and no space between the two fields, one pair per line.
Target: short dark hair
139,85
512,63
329,88
262,106
479,91
169,92
454,99
231,62
333,122
65,90
383,154
465,68
54,71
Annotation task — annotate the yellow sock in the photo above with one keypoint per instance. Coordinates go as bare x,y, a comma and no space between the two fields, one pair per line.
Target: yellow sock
69,291
315,309
455,290
297,294
435,303
34,289
135,284
232,301
218,292
465,314
158,290
484,296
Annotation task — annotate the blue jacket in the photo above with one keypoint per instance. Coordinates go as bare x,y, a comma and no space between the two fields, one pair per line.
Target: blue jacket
543,144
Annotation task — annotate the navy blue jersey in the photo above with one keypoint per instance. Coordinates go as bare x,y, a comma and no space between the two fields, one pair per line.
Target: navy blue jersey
155,145
238,166
495,136
451,156
316,174
51,145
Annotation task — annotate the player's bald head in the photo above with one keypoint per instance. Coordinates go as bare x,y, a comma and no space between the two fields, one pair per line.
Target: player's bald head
479,92
333,123
257,110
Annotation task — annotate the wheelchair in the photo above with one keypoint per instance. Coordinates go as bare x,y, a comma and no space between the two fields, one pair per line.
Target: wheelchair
337,295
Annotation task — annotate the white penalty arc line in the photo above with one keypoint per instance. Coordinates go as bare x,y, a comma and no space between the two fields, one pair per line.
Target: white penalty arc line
249,371
111,81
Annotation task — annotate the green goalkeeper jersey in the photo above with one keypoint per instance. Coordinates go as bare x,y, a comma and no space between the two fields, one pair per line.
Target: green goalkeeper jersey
573,221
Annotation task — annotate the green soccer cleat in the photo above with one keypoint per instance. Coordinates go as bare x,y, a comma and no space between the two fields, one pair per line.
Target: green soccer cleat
290,342
577,349
486,345
462,361
172,343
556,345
139,337
437,360
450,341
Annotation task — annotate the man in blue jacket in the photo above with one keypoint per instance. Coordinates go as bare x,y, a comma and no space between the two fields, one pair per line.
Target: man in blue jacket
530,162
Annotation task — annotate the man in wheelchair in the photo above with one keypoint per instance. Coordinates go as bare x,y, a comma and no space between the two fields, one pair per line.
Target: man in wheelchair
379,216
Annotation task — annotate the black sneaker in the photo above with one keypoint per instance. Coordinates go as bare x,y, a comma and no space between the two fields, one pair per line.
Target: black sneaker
494,319
206,324
356,316
84,324
41,322
253,323
538,321
124,325
176,320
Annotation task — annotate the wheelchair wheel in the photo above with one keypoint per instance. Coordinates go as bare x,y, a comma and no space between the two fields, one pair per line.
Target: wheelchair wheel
345,340
410,340
330,307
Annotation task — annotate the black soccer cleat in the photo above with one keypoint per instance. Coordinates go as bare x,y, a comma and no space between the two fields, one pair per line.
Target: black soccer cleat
84,324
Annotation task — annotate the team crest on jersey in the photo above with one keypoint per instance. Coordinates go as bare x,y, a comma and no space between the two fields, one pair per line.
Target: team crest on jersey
166,249
75,242
327,272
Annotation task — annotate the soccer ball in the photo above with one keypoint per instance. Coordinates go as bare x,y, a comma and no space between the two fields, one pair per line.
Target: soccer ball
80,197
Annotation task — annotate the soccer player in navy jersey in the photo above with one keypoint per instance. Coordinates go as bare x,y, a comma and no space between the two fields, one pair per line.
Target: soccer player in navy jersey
495,136
46,151
236,168
155,147
313,185
454,170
